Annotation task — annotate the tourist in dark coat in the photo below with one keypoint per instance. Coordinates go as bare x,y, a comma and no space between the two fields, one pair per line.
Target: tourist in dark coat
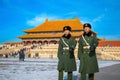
21,55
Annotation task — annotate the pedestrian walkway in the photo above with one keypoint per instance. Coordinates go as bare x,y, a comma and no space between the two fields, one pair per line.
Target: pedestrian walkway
109,73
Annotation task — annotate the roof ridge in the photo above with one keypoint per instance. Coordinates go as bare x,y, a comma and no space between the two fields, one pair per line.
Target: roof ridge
62,20
57,25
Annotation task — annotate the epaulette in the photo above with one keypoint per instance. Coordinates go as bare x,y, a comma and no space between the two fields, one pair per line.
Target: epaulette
93,33
61,36
80,35
72,36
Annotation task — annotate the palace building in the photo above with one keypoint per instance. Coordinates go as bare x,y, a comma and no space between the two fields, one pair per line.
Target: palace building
51,31
42,41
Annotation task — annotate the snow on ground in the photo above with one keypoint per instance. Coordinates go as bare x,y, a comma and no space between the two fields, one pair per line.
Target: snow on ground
36,69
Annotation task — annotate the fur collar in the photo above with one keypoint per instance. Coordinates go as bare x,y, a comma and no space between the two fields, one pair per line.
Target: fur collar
68,36
87,34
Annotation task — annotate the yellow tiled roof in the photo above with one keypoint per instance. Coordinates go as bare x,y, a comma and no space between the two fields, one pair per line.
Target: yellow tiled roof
57,25
57,35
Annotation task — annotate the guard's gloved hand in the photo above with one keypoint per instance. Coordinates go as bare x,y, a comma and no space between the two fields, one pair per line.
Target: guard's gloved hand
71,50
92,48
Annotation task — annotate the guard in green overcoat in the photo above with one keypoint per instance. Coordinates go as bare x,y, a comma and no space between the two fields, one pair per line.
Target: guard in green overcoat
66,58
86,53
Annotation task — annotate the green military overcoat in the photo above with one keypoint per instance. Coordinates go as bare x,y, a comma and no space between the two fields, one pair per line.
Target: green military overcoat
88,60
66,61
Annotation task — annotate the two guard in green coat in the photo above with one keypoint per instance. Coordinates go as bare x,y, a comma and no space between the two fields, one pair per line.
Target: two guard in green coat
86,53
66,58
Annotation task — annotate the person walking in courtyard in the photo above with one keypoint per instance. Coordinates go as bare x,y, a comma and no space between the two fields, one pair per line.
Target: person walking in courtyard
21,55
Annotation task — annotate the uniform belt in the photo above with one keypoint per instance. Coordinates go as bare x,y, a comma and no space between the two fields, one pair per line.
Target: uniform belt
65,48
86,47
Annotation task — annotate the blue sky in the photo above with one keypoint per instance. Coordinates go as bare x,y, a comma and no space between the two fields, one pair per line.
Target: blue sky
18,15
